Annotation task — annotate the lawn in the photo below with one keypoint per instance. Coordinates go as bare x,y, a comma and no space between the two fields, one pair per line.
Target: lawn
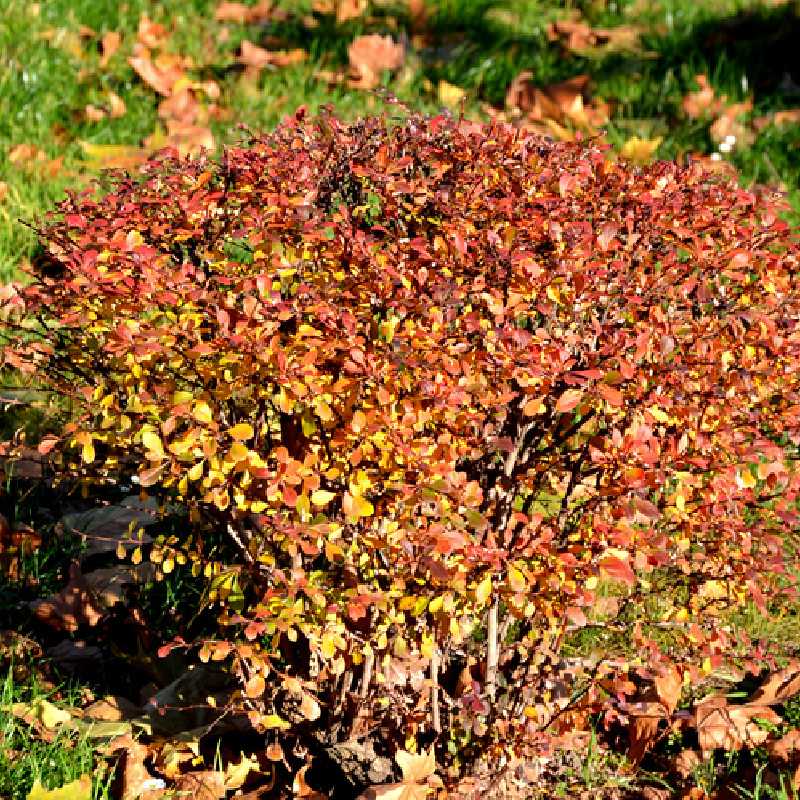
67,110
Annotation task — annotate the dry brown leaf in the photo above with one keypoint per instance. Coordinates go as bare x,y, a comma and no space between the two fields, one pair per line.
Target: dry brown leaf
731,727
25,153
187,138
256,58
668,686
704,101
109,45
787,748
243,14
116,105
181,105
136,778
643,728
205,785
161,74
370,56
3,190
87,598
557,104
112,709
350,9
579,37
779,687
729,123
685,763
151,34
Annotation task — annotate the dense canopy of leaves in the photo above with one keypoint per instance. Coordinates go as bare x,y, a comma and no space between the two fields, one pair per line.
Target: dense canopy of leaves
443,385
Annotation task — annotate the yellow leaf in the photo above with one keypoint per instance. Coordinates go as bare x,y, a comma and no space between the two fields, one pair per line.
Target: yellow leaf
322,497
202,412
484,590
87,447
359,421
80,789
449,94
179,398
272,721
196,472
255,686
356,506
640,151
52,716
436,604
152,441
658,414
416,766
238,452
242,432
236,774
516,580
328,648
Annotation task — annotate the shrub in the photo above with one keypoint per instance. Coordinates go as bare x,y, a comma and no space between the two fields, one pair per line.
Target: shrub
454,393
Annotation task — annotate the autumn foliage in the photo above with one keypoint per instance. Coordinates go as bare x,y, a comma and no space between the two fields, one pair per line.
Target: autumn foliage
451,393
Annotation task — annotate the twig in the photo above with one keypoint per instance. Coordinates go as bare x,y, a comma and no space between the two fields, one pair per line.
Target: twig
435,717
492,649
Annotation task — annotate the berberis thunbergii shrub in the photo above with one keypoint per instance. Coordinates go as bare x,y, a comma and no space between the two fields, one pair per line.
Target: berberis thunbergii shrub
453,392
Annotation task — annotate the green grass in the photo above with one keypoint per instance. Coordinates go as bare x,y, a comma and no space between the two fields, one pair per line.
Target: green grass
49,73
26,757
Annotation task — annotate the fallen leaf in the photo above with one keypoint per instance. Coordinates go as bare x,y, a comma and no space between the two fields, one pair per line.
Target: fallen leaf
109,45
577,36
256,58
87,598
720,726
370,56
161,74
205,785
640,151
187,138
730,124
350,9
685,763
787,748
80,789
94,114
116,105
556,104
449,94
704,101
789,116
669,686
151,34
780,686
243,14
645,718
112,156
236,774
